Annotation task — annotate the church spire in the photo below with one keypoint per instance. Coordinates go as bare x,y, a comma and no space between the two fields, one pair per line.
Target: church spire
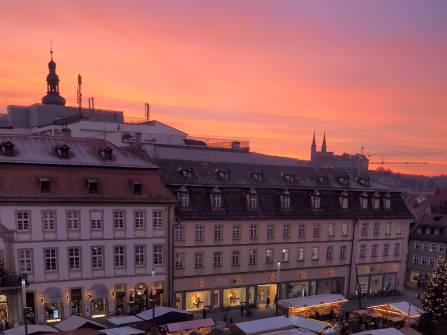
314,144
323,146
52,97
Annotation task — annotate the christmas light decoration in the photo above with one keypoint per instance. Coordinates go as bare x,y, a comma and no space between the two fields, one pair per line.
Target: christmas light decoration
435,294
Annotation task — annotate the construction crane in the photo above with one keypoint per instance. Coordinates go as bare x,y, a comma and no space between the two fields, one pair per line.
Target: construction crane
382,162
400,154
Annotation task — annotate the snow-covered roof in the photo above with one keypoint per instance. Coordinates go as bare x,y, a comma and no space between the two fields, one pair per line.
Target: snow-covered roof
123,320
76,322
403,307
265,325
295,331
309,324
147,314
311,300
32,329
384,331
122,331
192,324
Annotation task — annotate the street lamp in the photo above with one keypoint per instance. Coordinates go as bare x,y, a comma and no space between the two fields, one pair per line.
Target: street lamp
23,282
153,294
278,271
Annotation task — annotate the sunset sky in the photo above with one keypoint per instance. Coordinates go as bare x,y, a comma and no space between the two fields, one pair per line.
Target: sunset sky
369,73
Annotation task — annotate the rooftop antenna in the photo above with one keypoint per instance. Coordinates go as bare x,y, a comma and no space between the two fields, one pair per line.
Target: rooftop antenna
51,49
79,93
91,103
147,109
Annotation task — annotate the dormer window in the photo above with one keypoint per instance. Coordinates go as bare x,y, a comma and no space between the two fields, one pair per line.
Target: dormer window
364,181
364,200
315,199
183,197
285,199
257,175
428,230
93,185
289,177
223,173
437,231
387,201
62,151
322,180
186,172
419,230
376,200
252,199
44,184
7,148
344,200
137,187
343,180
216,198
106,153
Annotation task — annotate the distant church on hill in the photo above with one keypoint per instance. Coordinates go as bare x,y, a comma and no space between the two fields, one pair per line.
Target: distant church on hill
327,159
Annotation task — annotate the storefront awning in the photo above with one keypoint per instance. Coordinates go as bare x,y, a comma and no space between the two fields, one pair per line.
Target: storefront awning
52,295
76,322
312,300
99,291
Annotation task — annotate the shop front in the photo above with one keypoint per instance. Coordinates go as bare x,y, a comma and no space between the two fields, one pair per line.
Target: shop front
234,296
373,284
331,285
3,311
197,300
52,304
98,296
120,299
266,295
76,301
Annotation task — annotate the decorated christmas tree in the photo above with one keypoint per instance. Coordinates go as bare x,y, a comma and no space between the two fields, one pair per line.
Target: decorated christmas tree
435,295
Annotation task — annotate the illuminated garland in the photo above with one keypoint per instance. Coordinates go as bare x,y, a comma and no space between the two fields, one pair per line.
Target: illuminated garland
435,295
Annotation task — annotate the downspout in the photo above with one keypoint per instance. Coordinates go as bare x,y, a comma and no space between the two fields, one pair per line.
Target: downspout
352,254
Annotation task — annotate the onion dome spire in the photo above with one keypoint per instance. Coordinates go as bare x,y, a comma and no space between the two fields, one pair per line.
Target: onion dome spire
52,97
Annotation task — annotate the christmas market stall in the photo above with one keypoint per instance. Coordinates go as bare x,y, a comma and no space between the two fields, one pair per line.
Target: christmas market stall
315,326
313,306
262,326
199,326
397,310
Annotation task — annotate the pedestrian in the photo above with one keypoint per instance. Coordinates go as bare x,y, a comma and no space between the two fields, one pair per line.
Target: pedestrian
267,303
242,309
225,318
231,319
204,312
331,315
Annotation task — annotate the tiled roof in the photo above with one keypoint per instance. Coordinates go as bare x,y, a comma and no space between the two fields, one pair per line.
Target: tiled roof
83,152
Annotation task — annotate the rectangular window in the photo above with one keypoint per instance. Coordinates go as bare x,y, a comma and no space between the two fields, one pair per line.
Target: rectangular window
425,246
218,232
433,247
23,221
49,220
344,229
388,228
73,220
364,229
119,256
362,250
178,232
199,232
399,228
118,220
217,258
252,201
268,256
285,255
158,254
300,255
74,259
179,260
417,245
157,219
270,231
441,248
198,260
317,230
216,200
396,249
331,229
140,254
431,261
286,231
329,253
386,248
26,261
50,259
252,256
236,232
343,252
415,259
97,257
139,218
424,260
236,257
376,229
374,251
301,231
253,231
315,253
96,220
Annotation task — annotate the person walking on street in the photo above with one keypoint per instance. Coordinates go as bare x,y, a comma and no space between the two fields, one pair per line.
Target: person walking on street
267,303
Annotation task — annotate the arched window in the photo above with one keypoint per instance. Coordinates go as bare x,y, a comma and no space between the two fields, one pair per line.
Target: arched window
315,199
285,199
364,200
387,201
252,199
376,200
183,197
344,200
216,198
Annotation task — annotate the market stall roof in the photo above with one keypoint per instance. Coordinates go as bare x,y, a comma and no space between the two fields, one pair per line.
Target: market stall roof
262,326
193,324
311,300
80,331
123,320
122,331
159,311
384,331
309,324
292,332
76,322
32,329
401,307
